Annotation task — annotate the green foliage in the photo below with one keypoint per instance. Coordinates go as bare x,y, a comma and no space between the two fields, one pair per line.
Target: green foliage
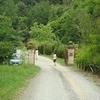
27,2
88,57
45,48
8,39
9,8
6,51
65,28
48,49
6,30
22,9
40,13
23,30
14,78
96,8
42,33
60,50
56,1
88,25
97,60
53,22
56,12
32,2
83,55
40,48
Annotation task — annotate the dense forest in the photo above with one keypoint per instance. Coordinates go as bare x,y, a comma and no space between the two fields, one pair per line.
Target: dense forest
50,25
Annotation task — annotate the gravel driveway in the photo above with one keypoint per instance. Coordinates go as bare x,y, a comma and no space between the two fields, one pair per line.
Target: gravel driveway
59,83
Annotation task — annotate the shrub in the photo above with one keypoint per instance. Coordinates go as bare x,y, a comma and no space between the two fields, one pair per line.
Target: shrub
83,57
97,64
97,60
60,50
6,51
88,58
40,48
45,48
48,49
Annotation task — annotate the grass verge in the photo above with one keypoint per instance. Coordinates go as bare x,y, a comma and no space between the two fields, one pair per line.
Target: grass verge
14,77
92,77
59,60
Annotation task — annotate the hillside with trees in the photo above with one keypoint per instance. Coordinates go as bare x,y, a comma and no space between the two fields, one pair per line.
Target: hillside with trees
50,25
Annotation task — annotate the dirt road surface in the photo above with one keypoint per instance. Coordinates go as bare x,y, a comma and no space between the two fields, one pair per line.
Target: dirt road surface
59,83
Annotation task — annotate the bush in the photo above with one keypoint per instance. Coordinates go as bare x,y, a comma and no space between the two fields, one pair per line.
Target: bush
48,49
40,48
97,64
88,58
45,48
60,51
97,60
83,57
6,51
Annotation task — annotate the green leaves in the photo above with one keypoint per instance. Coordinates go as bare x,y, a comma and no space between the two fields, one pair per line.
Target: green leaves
6,51
42,33
8,39
6,29
22,9
40,13
50,21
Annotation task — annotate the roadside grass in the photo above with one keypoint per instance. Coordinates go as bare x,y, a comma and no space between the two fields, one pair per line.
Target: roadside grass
59,60
92,77
14,77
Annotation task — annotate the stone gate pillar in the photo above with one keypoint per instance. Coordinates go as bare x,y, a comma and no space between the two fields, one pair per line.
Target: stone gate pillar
31,57
70,51
31,54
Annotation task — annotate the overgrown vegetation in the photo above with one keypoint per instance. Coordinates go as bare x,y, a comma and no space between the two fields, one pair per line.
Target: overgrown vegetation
13,78
50,24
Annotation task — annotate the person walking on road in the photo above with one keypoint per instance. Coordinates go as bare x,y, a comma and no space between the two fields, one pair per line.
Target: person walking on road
54,58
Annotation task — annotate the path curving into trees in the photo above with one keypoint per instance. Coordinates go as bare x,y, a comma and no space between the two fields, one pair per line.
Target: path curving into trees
59,83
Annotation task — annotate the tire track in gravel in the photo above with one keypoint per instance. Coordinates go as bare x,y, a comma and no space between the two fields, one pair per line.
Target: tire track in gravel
59,83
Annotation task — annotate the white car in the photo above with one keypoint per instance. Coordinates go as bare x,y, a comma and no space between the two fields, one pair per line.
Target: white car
15,61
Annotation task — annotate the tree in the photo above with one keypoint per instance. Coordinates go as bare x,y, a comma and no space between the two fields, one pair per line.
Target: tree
96,9
56,12
8,39
7,32
39,13
22,9
26,2
23,30
56,1
43,34
64,27
10,9
88,25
